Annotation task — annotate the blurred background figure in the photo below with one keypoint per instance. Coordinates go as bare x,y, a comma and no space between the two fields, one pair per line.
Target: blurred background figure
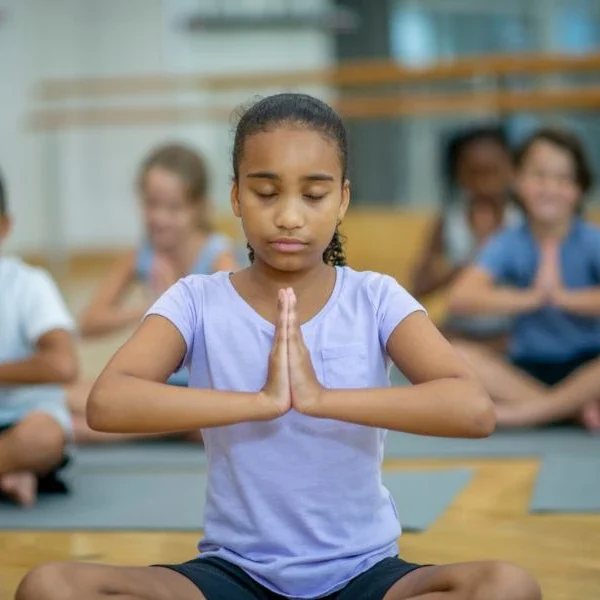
545,273
179,240
478,164
37,357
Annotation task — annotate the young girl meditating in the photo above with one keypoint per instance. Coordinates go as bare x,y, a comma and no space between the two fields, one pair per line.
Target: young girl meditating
289,364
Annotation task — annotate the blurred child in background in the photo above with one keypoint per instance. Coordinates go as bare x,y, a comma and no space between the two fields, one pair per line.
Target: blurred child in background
173,184
545,273
37,357
478,164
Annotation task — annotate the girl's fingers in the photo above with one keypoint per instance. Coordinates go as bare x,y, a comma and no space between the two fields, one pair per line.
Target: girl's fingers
292,317
281,324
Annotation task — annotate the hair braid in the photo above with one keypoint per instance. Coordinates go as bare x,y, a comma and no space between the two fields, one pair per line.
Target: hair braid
334,253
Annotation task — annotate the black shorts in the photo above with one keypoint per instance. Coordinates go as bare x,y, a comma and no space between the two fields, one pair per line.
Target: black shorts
219,580
552,373
49,483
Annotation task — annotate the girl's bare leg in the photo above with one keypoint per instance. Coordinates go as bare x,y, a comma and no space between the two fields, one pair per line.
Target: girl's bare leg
522,401
58,581
34,446
577,396
504,382
467,581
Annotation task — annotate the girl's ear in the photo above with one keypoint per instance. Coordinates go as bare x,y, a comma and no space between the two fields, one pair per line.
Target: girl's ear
235,200
345,200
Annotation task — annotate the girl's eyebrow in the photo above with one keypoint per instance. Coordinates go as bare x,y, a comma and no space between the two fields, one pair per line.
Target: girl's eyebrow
275,177
263,175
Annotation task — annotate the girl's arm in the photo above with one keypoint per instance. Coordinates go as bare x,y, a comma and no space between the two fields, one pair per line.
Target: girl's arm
54,361
432,272
446,399
104,313
582,302
131,396
475,293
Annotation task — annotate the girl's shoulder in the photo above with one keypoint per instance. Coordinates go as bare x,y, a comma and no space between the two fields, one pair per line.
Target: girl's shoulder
587,228
372,286
202,283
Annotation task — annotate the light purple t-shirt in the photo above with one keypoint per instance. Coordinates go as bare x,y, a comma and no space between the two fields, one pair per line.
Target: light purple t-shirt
296,502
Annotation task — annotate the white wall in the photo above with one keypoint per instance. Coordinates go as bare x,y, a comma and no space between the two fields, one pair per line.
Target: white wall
74,189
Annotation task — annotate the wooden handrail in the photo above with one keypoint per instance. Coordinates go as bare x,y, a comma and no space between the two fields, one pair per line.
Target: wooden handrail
351,74
386,72
384,106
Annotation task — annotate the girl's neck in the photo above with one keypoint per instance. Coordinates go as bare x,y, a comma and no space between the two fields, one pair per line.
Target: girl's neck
270,280
184,255
555,231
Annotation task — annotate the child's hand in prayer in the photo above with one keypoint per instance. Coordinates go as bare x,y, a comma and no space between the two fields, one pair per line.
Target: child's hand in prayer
277,388
549,280
305,388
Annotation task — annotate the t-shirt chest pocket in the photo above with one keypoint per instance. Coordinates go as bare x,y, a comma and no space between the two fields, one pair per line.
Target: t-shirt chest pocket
345,366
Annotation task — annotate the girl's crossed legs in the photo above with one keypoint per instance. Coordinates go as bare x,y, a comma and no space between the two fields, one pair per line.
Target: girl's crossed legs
462,581
571,392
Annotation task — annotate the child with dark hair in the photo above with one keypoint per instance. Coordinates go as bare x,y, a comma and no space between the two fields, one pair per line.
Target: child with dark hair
545,274
289,379
173,184
37,355
478,167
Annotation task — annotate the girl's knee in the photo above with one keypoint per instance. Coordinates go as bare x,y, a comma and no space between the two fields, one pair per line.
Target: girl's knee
40,431
52,581
504,581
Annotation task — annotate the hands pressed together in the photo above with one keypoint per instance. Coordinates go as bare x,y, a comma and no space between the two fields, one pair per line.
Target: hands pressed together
548,287
291,380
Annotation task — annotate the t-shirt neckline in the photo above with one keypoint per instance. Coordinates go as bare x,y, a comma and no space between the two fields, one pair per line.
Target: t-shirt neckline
267,325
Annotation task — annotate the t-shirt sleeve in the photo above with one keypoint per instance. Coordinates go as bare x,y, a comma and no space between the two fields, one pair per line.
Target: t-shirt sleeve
392,304
181,305
496,255
43,308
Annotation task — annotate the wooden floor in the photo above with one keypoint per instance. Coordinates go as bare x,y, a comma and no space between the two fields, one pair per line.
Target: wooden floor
489,520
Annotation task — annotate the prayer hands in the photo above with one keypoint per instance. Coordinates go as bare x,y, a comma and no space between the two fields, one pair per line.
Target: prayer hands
305,388
291,380
548,281
277,388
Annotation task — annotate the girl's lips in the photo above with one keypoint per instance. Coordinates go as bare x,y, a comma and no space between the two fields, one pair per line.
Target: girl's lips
288,245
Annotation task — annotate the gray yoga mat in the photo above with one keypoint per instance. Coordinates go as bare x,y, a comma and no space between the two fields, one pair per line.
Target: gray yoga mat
140,454
502,443
167,501
517,443
567,484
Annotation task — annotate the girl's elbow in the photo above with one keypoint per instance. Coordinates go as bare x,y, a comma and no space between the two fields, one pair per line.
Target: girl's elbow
98,411
66,369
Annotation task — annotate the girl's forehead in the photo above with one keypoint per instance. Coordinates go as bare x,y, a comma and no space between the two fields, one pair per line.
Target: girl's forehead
546,152
484,148
290,149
